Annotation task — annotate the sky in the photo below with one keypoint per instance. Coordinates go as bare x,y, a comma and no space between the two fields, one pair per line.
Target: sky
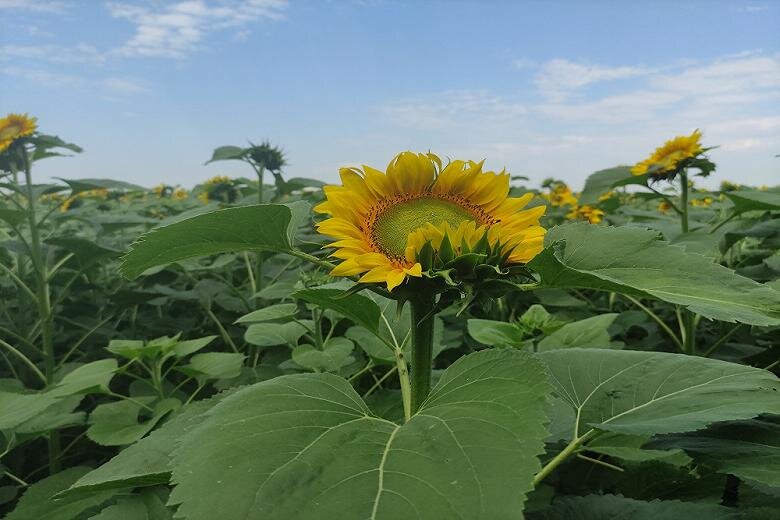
546,89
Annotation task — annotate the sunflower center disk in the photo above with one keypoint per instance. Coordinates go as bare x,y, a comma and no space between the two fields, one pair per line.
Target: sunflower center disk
392,227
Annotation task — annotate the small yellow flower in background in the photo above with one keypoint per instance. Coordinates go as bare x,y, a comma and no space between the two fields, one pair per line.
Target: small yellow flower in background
729,186
203,196
606,196
179,194
560,195
98,193
382,220
159,190
701,203
15,126
666,158
586,212
664,206
52,197
219,179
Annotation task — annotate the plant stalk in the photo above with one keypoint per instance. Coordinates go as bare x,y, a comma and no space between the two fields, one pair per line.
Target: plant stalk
423,317
569,450
43,299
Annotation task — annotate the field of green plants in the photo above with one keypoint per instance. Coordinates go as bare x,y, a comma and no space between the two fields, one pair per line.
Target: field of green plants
428,341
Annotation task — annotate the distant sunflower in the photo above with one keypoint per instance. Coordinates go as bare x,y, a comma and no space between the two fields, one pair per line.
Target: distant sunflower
15,126
179,194
667,158
382,220
586,212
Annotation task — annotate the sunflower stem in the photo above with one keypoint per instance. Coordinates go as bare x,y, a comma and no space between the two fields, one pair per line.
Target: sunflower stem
423,317
259,276
688,318
43,299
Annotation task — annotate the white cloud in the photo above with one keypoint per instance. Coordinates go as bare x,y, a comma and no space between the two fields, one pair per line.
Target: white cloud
714,91
81,53
43,6
43,77
123,85
733,99
453,109
558,78
174,30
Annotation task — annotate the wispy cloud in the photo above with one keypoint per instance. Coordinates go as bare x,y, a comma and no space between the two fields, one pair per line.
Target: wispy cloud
43,6
722,88
174,30
559,78
453,109
81,53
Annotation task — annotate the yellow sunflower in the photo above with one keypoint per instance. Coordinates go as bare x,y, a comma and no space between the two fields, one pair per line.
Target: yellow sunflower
179,194
381,220
586,212
14,126
560,195
667,157
701,203
664,207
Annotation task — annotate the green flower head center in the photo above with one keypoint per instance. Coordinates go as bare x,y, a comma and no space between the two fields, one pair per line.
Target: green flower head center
393,222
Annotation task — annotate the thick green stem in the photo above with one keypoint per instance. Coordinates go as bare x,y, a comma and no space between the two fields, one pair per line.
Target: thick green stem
567,452
43,299
259,275
423,318
403,379
684,201
688,318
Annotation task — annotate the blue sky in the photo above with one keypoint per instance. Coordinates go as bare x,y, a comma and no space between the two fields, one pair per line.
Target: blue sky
150,87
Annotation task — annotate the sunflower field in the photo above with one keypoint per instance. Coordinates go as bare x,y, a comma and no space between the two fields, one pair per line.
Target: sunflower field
428,340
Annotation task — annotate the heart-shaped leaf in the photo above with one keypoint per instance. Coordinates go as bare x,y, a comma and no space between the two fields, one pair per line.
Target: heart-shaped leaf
307,447
657,392
263,227
335,354
635,261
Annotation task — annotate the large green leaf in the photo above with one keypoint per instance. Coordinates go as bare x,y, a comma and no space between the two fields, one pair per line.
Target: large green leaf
145,463
616,507
79,185
495,333
656,392
603,181
117,424
360,309
39,503
747,449
307,447
752,200
335,353
262,227
146,506
588,333
635,261
226,153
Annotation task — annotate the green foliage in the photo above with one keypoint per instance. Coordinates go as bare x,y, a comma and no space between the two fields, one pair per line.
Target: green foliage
288,395
652,392
634,261
222,231
335,451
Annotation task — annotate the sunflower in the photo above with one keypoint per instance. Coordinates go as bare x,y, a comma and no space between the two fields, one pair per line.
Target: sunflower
15,126
179,194
664,206
586,212
560,195
701,203
668,157
382,220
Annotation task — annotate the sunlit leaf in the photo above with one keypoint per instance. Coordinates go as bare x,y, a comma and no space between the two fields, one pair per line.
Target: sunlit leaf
635,261
303,446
